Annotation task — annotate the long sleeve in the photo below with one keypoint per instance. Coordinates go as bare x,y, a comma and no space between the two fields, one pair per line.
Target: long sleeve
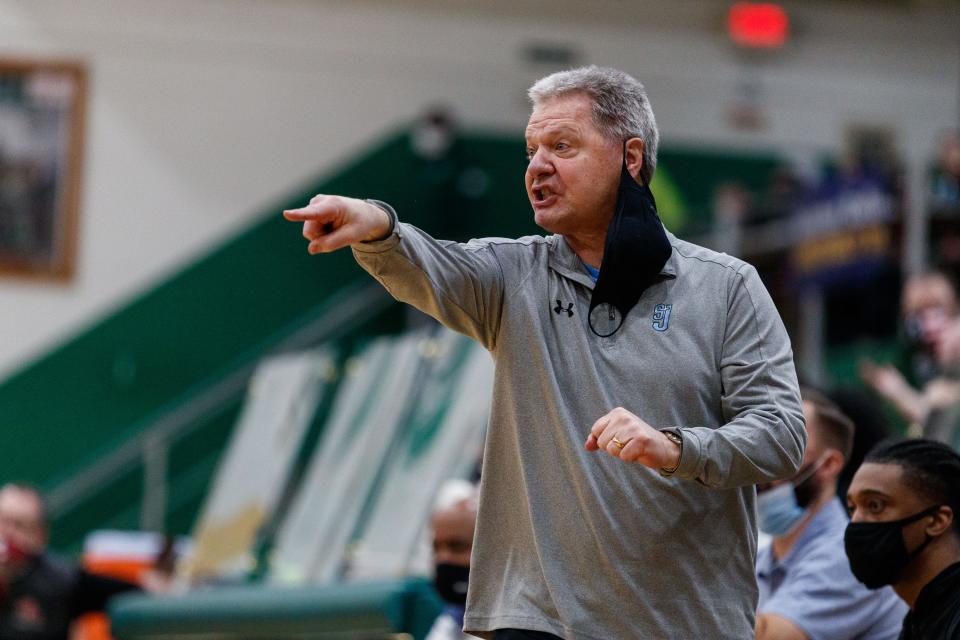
764,436
459,284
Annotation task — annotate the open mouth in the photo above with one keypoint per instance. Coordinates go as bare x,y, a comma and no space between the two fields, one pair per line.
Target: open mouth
542,195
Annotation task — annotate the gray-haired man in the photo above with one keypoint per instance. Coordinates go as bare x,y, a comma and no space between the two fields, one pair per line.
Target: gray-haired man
614,336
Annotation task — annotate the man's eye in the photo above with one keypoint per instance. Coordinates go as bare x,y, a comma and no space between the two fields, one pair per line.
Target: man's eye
530,152
851,508
561,146
875,506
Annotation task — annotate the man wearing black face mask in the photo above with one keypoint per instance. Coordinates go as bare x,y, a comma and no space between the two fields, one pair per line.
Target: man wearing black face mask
903,532
452,527
41,596
806,587
643,384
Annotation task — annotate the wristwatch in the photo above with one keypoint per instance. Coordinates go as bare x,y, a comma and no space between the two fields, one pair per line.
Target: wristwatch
675,438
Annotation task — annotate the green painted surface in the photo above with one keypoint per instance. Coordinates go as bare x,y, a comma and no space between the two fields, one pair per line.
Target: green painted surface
670,204
354,610
696,173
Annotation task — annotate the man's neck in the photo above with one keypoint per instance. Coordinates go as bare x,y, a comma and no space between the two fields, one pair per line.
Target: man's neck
939,555
589,248
783,545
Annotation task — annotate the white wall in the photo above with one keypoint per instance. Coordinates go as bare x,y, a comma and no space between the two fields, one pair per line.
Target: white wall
200,113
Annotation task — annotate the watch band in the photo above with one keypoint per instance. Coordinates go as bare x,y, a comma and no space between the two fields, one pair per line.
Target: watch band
678,440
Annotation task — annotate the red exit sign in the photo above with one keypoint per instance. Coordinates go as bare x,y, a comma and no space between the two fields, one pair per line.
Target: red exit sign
758,25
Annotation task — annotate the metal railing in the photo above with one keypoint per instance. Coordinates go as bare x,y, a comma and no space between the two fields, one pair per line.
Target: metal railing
149,448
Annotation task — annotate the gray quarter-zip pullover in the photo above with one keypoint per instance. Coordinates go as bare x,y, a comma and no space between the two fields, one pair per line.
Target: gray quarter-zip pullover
581,544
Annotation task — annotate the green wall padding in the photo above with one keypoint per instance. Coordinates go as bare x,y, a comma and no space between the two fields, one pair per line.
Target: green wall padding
694,174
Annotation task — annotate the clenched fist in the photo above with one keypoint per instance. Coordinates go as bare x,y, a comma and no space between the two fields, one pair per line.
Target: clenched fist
623,435
334,222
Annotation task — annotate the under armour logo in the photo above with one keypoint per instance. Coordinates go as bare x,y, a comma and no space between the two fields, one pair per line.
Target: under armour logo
560,309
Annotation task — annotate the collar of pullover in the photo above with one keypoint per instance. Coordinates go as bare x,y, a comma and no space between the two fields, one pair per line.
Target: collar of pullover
566,262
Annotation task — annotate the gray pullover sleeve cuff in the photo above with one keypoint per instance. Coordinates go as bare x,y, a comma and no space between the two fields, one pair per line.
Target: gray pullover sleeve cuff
390,241
689,466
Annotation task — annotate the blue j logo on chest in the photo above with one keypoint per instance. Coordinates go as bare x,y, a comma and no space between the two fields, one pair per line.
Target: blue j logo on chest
661,316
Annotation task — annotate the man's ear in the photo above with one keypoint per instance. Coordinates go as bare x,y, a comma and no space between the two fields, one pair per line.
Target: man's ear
942,519
633,155
834,463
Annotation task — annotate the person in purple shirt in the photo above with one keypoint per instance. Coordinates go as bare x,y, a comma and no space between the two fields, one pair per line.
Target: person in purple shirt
807,590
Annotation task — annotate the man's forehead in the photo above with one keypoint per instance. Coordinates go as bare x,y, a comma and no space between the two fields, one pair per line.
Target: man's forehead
453,520
928,292
572,111
555,126
20,502
877,478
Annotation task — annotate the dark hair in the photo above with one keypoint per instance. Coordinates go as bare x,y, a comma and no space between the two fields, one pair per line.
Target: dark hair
930,468
833,426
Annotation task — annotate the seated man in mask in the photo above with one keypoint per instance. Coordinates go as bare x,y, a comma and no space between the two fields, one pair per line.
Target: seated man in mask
453,523
806,588
41,595
903,532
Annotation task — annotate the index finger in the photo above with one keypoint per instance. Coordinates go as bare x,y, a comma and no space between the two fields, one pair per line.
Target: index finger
597,429
317,212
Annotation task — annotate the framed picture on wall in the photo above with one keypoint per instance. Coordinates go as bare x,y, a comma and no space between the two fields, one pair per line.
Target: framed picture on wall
41,142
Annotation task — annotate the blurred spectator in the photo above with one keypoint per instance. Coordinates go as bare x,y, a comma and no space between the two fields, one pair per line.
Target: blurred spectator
806,587
903,532
40,596
928,304
453,523
945,185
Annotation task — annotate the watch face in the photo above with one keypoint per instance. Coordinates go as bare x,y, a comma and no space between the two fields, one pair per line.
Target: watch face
605,319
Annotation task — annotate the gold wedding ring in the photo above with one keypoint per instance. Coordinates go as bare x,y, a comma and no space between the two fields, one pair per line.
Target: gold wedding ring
617,443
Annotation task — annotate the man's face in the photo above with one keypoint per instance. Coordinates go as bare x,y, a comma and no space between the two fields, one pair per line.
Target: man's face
21,519
453,537
928,305
878,493
574,169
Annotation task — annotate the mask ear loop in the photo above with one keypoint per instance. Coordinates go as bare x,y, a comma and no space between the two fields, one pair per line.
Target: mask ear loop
927,538
812,470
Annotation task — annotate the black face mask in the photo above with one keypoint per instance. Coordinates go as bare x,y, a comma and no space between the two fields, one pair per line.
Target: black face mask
450,581
877,552
635,251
